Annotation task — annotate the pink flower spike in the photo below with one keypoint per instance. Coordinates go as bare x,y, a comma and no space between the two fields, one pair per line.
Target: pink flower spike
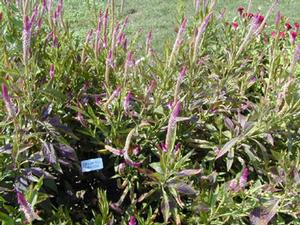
121,168
125,21
197,5
97,101
109,59
126,103
244,177
257,20
273,34
132,221
281,34
89,36
26,39
117,92
288,26
130,62
52,72
79,117
240,10
235,25
277,19
8,103
293,36
151,88
297,53
177,147
233,185
170,105
136,151
34,15
149,42
26,208
297,26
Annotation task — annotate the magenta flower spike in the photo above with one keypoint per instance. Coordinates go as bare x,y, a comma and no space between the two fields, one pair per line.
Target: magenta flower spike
26,39
130,62
297,53
88,37
233,185
244,177
182,73
27,209
117,92
8,103
126,103
52,72
240,10
45,6
105,23
136,151
98,41
34,15
49,5
149,43
197,6
110,59
97,101
125,23
39,24
150,89
235,25
132,221
277,19
121,168
296,59
293,36
58,10
257,20
121,38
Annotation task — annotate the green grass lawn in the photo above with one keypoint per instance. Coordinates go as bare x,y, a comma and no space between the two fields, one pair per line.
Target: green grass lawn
161,16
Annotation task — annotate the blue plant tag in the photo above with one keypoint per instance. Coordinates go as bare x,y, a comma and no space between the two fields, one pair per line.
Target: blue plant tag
91,165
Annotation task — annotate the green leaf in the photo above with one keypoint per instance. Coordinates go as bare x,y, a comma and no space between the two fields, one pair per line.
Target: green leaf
156,166
230,144
6,219
165,207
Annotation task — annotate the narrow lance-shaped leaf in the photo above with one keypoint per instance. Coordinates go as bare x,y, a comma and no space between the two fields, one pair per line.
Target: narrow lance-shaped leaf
188,172
165,207
263,215
230,144
49,152
184,188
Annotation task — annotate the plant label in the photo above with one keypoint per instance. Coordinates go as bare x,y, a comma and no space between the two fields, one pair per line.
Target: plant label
91,165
